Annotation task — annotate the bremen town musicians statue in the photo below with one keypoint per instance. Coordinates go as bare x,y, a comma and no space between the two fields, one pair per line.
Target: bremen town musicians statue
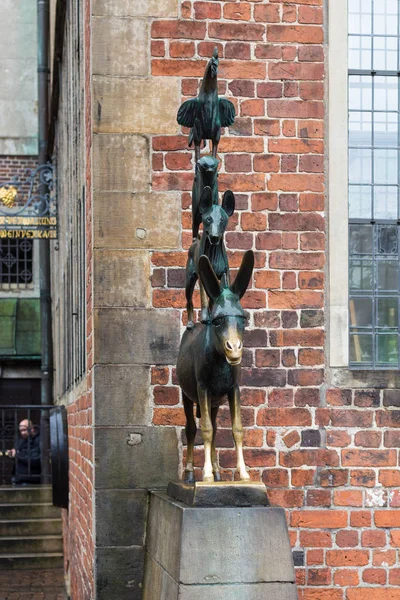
211,351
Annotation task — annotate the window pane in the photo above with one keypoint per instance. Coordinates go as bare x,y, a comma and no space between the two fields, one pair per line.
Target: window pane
360,129
385,130
360,52
360,348
387,240
385,17
360,275
360,202
361,312
386,93
387,275
387,312
360,239
360,16
385,54
385,166
360,93
385,202
360,165
387,349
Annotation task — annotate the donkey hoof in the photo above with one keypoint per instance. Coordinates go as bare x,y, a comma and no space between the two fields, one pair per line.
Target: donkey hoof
189,477
190,326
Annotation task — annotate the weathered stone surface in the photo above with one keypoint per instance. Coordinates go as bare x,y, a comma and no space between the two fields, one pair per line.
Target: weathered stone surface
120,46
257,539
118,573
391,398
143,220
137,337
122,395
158,584
120,517
135,457
126,8
121,163
122,105
121,278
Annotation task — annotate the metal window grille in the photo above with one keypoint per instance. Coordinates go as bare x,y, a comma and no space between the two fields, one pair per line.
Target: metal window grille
16,263
374,183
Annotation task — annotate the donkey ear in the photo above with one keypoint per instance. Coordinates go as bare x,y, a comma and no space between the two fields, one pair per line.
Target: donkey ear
206,200
228,203
208,278
239,286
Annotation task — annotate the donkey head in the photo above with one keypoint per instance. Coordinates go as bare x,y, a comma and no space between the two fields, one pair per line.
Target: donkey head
227,315
215,217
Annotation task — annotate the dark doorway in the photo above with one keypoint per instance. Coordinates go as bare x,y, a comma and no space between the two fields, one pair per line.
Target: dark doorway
16,392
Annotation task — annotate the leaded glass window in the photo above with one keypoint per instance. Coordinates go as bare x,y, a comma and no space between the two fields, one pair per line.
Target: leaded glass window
374,69
16,263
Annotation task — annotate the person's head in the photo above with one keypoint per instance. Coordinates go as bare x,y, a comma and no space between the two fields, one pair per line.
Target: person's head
26,428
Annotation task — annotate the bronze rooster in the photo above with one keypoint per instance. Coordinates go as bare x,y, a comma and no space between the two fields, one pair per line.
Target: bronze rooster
207,113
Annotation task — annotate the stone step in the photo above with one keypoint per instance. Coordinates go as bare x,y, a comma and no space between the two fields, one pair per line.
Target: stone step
31,544
53,560
29,494
29,527
42,510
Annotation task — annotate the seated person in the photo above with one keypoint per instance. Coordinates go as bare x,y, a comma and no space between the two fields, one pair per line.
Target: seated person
26,455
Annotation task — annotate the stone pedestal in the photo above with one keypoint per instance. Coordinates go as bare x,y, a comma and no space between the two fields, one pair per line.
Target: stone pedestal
217,553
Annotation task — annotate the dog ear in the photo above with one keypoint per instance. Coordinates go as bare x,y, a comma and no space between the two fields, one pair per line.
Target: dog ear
206,200
208,278
239,286
228,203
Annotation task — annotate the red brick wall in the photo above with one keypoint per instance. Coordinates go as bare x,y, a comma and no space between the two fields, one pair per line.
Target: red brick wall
329,456
79,522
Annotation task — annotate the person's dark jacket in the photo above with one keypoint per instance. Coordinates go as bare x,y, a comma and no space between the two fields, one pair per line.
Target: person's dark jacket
27,460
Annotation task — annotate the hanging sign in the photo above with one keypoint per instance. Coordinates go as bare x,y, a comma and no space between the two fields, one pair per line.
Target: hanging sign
28,207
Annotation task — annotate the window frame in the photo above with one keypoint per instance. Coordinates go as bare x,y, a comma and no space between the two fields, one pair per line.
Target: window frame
337,297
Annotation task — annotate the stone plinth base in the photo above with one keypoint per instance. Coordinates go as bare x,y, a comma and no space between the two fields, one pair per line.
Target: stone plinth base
217,553
221,493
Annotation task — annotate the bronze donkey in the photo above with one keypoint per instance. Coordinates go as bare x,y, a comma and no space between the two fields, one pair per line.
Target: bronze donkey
211,244
208,366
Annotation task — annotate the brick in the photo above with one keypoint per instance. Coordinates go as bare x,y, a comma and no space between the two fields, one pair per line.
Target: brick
311,281
241,144
348,497
237,11
374,576
177,67
337,438
373,539
266,201
269,90
333,477
312,458
266,13
291,439
296,71
319,519
280,398
367,398
302,477
347,558
384,558
237,163
297,222
387,518
369,439
268,127
312,90
267,280
166,395
389,477
276,477
252,108
310,14
295,33
231,31
240,69
295,300
373,593
283,417
363,478
159,375
315,539
375,458
297,109
289,182
241,87
266,163
346,577
360,518
240,51
178,30
311,202
207,10
311,53
351,418
296,337
286,498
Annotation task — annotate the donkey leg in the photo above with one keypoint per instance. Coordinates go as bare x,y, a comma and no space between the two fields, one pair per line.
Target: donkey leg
237,430
207,433
190,283
204,304
190,431
214,459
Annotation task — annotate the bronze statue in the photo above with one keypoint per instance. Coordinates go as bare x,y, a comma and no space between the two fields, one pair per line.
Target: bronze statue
208,366
206,175
211,244
207,113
